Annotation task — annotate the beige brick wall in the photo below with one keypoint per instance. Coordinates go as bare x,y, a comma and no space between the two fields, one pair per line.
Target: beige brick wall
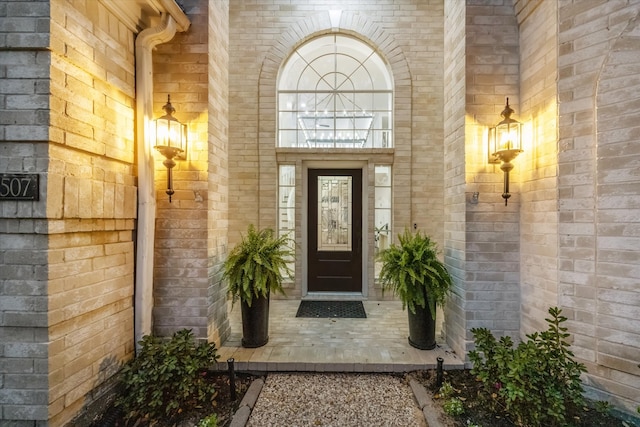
408,34
599,199
482,236
538,168
68,96
454,170
218,209
91,203
191,230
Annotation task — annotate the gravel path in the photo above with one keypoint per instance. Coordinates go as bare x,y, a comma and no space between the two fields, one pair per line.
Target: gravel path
336,400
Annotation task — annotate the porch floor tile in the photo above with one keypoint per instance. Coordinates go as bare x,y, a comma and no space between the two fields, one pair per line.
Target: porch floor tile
375,344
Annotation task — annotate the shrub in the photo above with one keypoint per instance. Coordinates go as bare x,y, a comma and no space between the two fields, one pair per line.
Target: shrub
538,382
167,377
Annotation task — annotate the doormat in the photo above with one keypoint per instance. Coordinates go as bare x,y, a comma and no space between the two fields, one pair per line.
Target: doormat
337,309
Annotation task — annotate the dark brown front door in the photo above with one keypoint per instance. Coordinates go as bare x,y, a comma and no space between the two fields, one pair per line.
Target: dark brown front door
335,230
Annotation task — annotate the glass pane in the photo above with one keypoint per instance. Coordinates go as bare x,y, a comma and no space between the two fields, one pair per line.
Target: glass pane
334,213
289,138
335,76
287,207
382,212
383,197
382,176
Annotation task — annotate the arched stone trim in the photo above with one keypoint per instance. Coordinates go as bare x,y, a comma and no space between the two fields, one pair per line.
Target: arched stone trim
326,22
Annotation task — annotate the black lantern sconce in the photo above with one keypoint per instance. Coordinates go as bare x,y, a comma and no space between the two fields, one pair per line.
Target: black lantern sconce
505,143
171,141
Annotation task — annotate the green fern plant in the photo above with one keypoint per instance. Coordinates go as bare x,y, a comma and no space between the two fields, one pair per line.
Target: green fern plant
257,265
413,272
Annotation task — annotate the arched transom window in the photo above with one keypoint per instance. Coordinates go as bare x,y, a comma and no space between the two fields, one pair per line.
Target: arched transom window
335,92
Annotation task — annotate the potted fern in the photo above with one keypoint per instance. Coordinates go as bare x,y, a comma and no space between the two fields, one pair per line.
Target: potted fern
413,272
254,268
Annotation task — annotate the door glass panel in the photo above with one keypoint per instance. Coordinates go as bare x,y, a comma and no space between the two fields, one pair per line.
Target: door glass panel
334,213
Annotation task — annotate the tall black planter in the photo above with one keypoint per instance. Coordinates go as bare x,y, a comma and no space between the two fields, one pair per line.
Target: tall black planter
422,329
255,322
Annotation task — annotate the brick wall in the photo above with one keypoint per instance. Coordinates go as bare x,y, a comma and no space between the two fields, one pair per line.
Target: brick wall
538,164
24,113
191,230
407,33
482,235
218,210
67,283
598,186
454,180
91,203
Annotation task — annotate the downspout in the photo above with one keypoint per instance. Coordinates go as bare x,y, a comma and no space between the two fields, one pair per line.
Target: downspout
147,40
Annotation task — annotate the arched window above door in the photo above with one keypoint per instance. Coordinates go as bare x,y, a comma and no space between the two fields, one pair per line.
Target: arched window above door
335,91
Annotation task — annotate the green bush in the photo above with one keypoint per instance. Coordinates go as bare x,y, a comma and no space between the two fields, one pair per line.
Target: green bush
167,377
538,382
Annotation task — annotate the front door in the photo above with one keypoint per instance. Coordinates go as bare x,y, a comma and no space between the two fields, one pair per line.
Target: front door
335,230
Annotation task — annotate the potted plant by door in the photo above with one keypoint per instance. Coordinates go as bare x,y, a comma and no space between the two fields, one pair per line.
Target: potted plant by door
413,272
254,268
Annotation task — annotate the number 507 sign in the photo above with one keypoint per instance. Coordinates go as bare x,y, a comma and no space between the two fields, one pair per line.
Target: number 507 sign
18,186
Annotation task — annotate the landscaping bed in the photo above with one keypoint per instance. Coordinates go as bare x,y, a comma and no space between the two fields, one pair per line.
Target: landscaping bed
480,410
222,405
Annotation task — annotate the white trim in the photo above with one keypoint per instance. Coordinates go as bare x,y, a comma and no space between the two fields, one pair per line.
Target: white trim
138,14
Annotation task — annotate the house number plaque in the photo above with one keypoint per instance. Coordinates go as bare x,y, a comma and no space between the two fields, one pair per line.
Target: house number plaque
19,186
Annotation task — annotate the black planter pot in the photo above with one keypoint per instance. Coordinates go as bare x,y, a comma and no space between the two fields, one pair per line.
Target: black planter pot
422,329
255,322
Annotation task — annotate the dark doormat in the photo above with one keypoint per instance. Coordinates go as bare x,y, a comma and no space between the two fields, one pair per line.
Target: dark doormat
339,309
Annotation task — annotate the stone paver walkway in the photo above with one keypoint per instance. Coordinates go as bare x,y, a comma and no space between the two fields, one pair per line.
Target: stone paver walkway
375,344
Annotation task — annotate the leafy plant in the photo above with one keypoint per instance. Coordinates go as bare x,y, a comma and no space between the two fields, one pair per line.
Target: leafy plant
257,265
446,390
167,377
414,273
602,406
538,382
209,421
453,407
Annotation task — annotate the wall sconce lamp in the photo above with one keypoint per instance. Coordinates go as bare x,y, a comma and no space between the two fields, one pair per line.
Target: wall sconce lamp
505,143
171,141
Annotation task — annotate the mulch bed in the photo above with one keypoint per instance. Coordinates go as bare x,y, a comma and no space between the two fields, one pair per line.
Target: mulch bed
478,408
222,405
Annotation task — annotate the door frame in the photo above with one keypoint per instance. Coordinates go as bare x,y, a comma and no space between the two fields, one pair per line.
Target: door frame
362,165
